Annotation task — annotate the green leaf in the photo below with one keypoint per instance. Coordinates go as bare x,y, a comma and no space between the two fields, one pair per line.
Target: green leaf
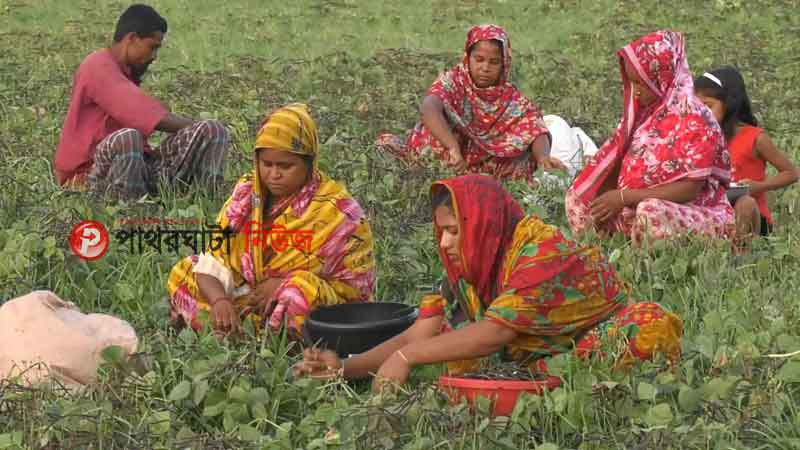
259,411
50,242
718,388
659,415
180,392
318,443
688,398
238,394
303,383
559,398
238,412
386,441
259,395
547,446
713,320
248,433
187,336
790,372
200,391
11,440
114,354
159,422
661,263
646,391
420,443
610,385
216,396
705,345
483,404
228,423
185,434
482,426
215,409
787,343
679,268
284,431
665,378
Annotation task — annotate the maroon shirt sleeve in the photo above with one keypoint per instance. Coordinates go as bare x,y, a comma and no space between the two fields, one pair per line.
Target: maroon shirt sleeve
124,101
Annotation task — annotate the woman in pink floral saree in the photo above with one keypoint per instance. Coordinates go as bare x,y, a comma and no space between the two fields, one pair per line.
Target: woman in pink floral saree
665,170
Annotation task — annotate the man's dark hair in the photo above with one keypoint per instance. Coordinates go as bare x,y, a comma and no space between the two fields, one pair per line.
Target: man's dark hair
140,19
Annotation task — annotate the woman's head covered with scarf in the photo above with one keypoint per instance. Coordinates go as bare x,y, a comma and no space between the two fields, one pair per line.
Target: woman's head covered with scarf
471,236
287,150
487,56
497,118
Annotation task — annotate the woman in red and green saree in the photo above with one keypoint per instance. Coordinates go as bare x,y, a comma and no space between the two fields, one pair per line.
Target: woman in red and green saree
476,120
515,286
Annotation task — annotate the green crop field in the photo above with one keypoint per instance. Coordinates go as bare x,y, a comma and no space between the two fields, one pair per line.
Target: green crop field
363,67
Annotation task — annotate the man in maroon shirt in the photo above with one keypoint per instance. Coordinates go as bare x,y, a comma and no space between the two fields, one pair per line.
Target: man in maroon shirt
103,142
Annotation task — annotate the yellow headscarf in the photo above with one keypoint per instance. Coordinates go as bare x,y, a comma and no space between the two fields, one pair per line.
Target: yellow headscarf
290,128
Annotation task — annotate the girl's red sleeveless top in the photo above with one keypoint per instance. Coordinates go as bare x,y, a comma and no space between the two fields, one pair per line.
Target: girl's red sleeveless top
746,165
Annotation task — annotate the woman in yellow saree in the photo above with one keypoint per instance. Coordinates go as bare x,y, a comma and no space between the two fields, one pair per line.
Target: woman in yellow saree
298,240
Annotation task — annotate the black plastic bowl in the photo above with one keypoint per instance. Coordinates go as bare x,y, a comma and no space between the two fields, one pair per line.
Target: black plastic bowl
357,327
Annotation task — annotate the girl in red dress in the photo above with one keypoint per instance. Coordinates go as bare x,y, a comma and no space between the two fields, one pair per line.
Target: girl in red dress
751,148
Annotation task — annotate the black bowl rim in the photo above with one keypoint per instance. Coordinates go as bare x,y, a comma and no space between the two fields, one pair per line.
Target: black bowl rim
374,326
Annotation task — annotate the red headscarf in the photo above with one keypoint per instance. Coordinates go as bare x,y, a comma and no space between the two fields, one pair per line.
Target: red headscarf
676,137
487,216
499,120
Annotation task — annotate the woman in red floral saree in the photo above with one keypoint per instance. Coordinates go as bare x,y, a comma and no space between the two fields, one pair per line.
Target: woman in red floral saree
476,120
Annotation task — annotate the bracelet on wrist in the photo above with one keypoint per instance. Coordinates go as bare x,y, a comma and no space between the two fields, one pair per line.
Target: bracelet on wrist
401,355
